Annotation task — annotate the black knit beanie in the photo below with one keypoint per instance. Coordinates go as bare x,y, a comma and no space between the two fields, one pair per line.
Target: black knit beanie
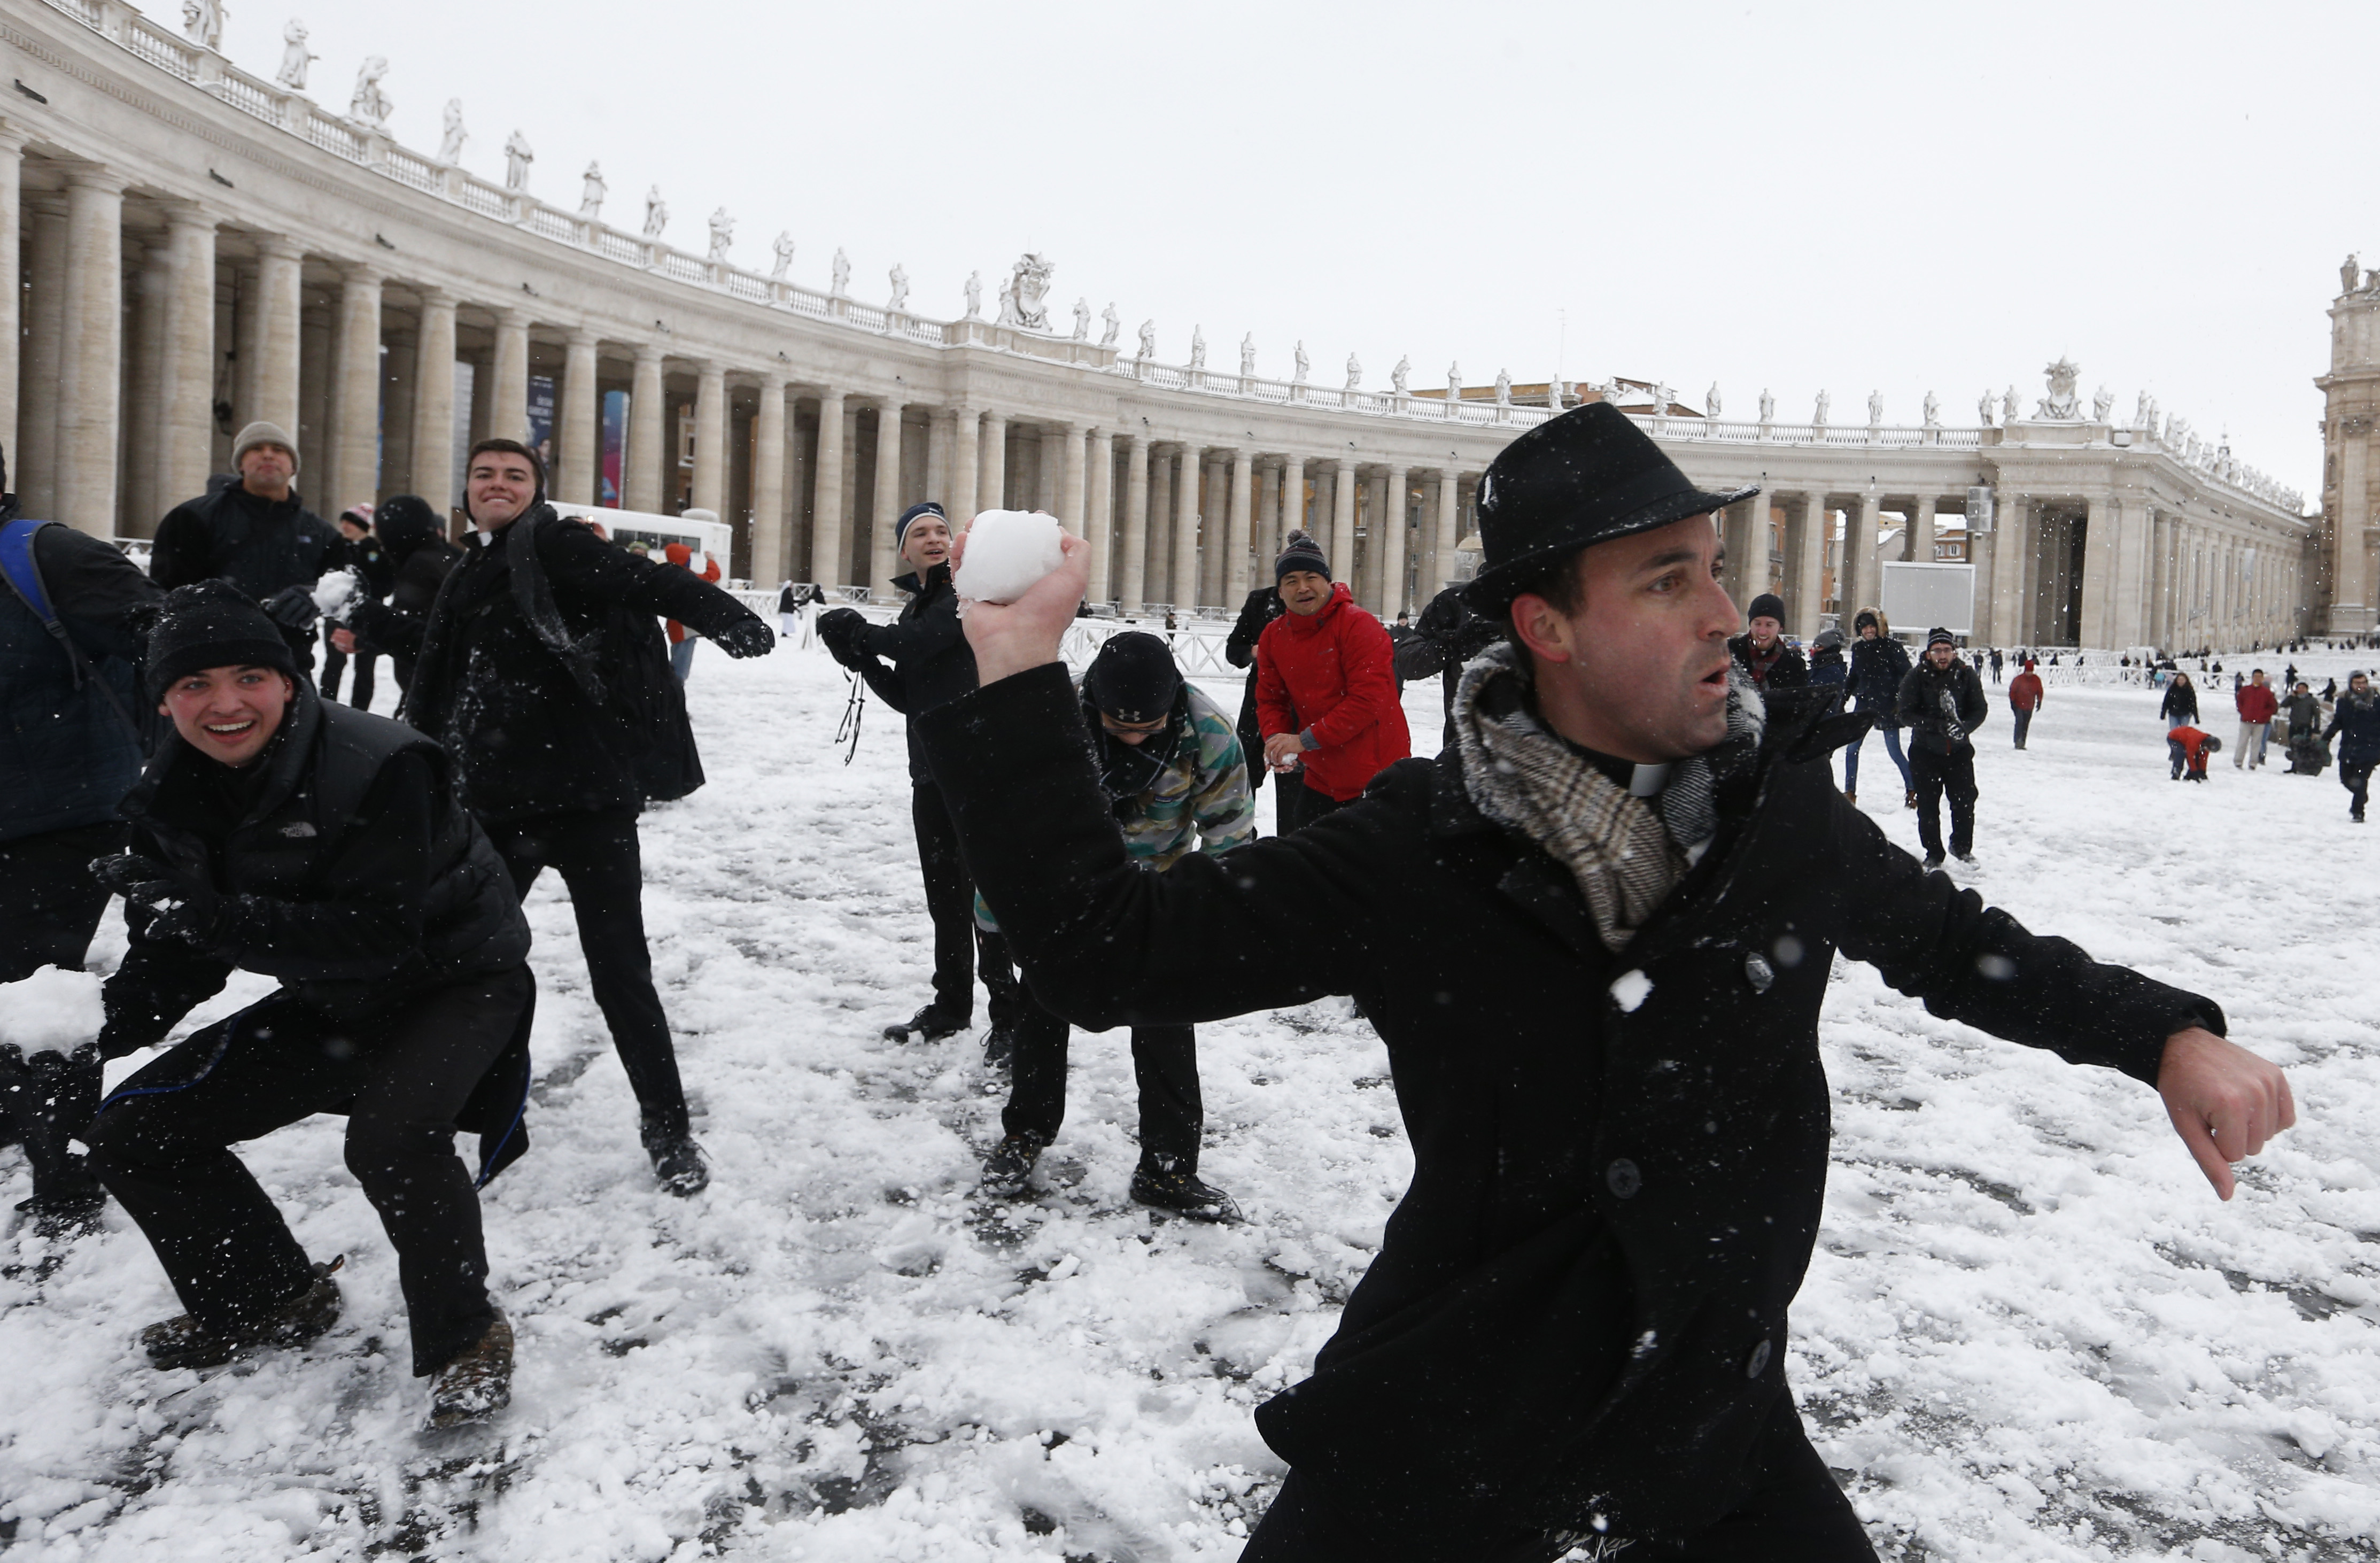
1133,678
1300,553
1769,604
405,522
211,624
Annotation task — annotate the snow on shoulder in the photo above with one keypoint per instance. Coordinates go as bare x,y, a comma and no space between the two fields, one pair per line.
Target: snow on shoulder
1007,551
53,1011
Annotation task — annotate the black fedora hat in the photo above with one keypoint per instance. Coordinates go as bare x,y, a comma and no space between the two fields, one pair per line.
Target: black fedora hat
1585,477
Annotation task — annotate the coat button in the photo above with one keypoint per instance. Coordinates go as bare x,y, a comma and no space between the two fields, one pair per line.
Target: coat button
1622,1178
1758,972
1757,1363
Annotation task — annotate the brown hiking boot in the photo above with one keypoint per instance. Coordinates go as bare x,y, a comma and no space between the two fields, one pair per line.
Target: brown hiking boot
182,1342
476,1385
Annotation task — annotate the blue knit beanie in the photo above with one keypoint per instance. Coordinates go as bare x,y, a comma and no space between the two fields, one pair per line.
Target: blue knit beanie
901,527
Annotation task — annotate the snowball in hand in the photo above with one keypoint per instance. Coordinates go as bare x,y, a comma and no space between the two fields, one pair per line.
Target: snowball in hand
334,592
1007,551
53,1011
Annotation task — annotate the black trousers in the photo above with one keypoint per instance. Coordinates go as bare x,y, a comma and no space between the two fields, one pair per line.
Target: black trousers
1164,1066
1794,1514
598,859
958,940
161,1144
2356,776
1297,805
1937,774
335,663
2024,721
50,907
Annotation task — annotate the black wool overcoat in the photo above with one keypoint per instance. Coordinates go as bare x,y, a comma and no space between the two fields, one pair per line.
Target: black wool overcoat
1579,1307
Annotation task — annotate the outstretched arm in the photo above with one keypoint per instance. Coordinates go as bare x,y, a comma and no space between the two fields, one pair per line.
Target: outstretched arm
2225,1102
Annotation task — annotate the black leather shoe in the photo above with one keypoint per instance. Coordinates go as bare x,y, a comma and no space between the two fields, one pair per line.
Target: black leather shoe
1932,861
1000,1044
182,1342
1185,1195
928,1024
1010,1166
476,1384
678,1163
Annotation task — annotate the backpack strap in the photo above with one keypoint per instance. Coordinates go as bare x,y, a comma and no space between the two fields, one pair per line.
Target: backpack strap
23,573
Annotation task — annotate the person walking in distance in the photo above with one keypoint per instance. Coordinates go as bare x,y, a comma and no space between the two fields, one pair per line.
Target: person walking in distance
2258,704
2307,755
1594,939
2025,694
542,674
682,638
2355,722
2179,706
916,663
256,533
1761,650
1878,665
279,833
1326,691
1172,769
1942,702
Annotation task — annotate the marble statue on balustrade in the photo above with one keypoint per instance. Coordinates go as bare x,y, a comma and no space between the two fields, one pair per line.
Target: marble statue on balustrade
1197,347
1554,393
842,275
1503,389
1147,340
202,23
1876,410
656,212
1454,381
1663,398
1081,319
368,105
1984,408
517,157
2346,269
1711,402
1354,372
591,191
1767,405
899,277
2371,278
1401,376
2142,417
294,56
1248,356
451,134
2008,407
974,294
2102,404
1029,286
1933,412
2061,405
1299,358
1112,323
1818,418
1006,314
722,234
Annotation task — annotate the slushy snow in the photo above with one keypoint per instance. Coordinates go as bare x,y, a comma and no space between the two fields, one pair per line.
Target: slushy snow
50,1011
1007,551
2030,1331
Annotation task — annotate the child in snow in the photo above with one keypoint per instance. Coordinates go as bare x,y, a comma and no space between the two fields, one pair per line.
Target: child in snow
2189,748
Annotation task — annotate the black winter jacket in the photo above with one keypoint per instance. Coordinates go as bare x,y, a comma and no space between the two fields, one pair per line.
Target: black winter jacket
1945,705
2355,722
1580,1304
345,864
1877,667
1789,671
580,714
397,626
67,754
930,661
258,546
1240,650
2180,707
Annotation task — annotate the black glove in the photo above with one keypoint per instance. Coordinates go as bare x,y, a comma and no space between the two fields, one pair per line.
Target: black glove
180,908
839,629
293,607
746,636
197,922
143,881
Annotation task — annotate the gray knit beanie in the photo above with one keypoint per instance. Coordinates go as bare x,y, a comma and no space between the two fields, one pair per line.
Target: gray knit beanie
260,433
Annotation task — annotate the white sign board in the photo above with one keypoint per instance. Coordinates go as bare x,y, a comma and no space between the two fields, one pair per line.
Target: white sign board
1922,597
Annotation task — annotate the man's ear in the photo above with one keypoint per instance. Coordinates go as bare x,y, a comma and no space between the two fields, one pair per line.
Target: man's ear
1541,628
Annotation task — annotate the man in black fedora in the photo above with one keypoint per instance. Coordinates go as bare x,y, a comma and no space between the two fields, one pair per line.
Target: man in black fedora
1595,936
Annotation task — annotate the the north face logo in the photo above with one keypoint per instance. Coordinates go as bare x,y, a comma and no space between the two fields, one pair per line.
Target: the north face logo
300,831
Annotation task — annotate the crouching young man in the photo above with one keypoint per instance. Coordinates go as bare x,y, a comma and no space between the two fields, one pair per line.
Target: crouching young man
1595,936
277,833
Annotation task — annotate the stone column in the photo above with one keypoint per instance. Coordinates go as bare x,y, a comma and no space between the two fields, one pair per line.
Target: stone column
1342,520
1266,543
768,562
1160,585
1921,530
575,452
1098,513
1071,477
883,562
34,469
434,401
1857,579
92,361
967,465
709,437
141,419
1236,560
1746,571
355,393
649,446
12,238
1395,599
1049,463
992,488
827,512
2160,579
508,407
280,304
938,457
1293,501
2008,602
1807,574
1449,525
1183,580
1132,580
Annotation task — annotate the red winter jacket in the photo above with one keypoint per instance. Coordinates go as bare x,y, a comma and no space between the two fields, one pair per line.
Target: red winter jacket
2024,690
1335,671
2194,744
2256,702
682,556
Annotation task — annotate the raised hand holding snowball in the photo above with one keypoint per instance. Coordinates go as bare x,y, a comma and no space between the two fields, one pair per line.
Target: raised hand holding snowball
1009,637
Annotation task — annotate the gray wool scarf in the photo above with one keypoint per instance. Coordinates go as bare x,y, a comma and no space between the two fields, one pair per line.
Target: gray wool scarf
1626,852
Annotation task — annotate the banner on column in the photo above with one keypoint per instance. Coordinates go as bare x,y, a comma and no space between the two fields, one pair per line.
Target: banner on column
541,418
615,445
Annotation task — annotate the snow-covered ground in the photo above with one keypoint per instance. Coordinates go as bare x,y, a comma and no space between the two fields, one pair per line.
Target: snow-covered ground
2030,1331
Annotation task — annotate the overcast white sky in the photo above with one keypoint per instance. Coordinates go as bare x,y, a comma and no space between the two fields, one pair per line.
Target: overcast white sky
1890,196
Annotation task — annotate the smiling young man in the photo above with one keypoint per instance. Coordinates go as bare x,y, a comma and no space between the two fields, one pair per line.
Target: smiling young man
1595,937
256,533
543,674
1327,700
277,833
